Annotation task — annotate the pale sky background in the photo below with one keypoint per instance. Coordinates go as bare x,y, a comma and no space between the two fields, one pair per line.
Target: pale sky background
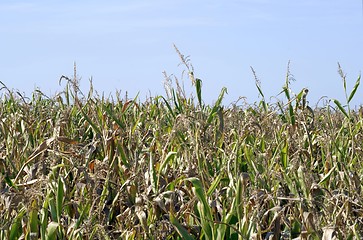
126,45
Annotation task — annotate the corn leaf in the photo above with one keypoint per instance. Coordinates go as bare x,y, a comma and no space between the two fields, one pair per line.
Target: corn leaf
327,176
198,86
169,157
354,89
15,229
341,108
33,217
203,207
179,228
284,152
216,106
52,230
152,174
59,200
214,185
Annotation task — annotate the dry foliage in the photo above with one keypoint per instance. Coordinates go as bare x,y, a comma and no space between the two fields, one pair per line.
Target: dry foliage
86,167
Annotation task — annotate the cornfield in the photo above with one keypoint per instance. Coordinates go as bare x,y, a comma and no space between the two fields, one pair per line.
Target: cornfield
83,166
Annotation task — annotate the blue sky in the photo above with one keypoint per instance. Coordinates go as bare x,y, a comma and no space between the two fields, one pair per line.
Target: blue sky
126,45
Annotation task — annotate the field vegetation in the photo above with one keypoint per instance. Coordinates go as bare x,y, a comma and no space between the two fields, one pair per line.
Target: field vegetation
86,166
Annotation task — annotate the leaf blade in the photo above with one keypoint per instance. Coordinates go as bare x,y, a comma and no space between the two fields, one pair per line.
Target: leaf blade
354,90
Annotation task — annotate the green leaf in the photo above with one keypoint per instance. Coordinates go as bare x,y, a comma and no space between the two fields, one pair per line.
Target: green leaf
113,117
10,183
168,106
286,91
44,216
94,126
260,90
327,176
198,86
168,158
284,158
238,199
179,228
354,89
15,230
53,209
216,107
123,156
292,114
177,102
341,108
203,207
52,230
152,174
59,200
82,216
33,217
214,185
